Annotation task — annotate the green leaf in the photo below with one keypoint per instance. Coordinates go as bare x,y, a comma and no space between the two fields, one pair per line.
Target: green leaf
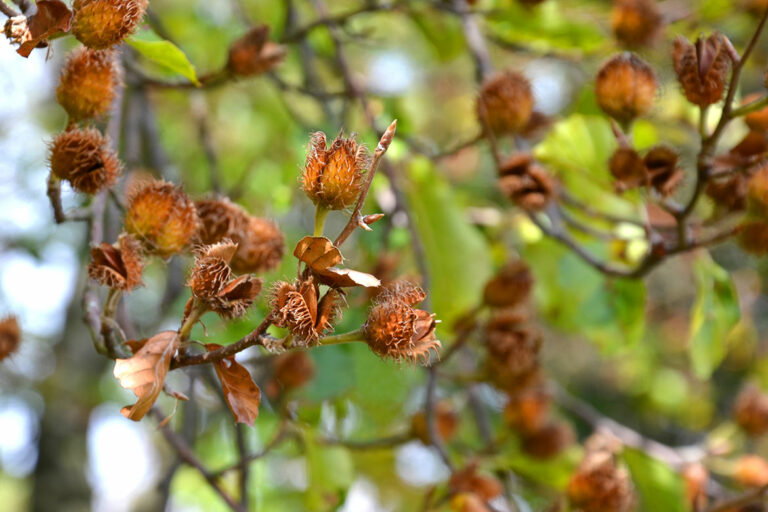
457,255
578,299
660,487
547,27
715,312
331,471
164,53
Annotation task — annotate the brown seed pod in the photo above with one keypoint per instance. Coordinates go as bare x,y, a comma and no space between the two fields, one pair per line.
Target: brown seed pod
528,409
729,192
446,423
696,477
395,330
757,120
469,480
220,219
253,53
84,159
625,87
525,182
702,68
294,369
513,349
628,168
162,217
757,192
751,471
548,440
101,24
636,22
10,336
87,83
118,266
599,485
661,164
505,104
333,176
751,410
753,237
510,287
210,282
299,308
211,271
261,247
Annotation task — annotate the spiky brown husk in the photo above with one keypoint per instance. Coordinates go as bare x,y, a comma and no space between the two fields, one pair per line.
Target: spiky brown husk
101,24
505,104
293,369
299,308
661,164
119,266
729,192
548,440
220,219
628,168
525,182
260,248
702,68
253,53
469,480
751,410
211,271
333,176
510,286
84,159
625,87
87,83
395,330
635,22
10,336
162,217
599,485
513,349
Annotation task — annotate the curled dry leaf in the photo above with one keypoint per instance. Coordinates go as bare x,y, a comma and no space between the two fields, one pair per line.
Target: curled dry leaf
52,17
320,255
243,396
145,372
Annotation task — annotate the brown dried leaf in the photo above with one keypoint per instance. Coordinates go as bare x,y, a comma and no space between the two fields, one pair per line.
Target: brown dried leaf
241,393
317,252
52,17
344,278
145,372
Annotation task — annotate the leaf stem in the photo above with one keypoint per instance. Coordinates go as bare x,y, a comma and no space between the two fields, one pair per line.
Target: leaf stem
189,322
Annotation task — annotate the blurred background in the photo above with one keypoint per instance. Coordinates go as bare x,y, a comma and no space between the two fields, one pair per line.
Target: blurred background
621,345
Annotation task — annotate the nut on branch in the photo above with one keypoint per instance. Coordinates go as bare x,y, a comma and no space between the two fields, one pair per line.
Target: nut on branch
505,103
101,24
87,83
625,87
84,159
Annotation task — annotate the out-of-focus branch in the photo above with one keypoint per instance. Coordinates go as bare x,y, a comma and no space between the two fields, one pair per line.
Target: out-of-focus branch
429,413
749,498
186,454
676,457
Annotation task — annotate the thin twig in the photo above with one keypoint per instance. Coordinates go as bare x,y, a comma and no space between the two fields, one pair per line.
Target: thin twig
7,10
740,501
255,337
356,220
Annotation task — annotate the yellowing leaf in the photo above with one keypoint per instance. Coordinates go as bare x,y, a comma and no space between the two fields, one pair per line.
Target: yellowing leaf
243,396
145,372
